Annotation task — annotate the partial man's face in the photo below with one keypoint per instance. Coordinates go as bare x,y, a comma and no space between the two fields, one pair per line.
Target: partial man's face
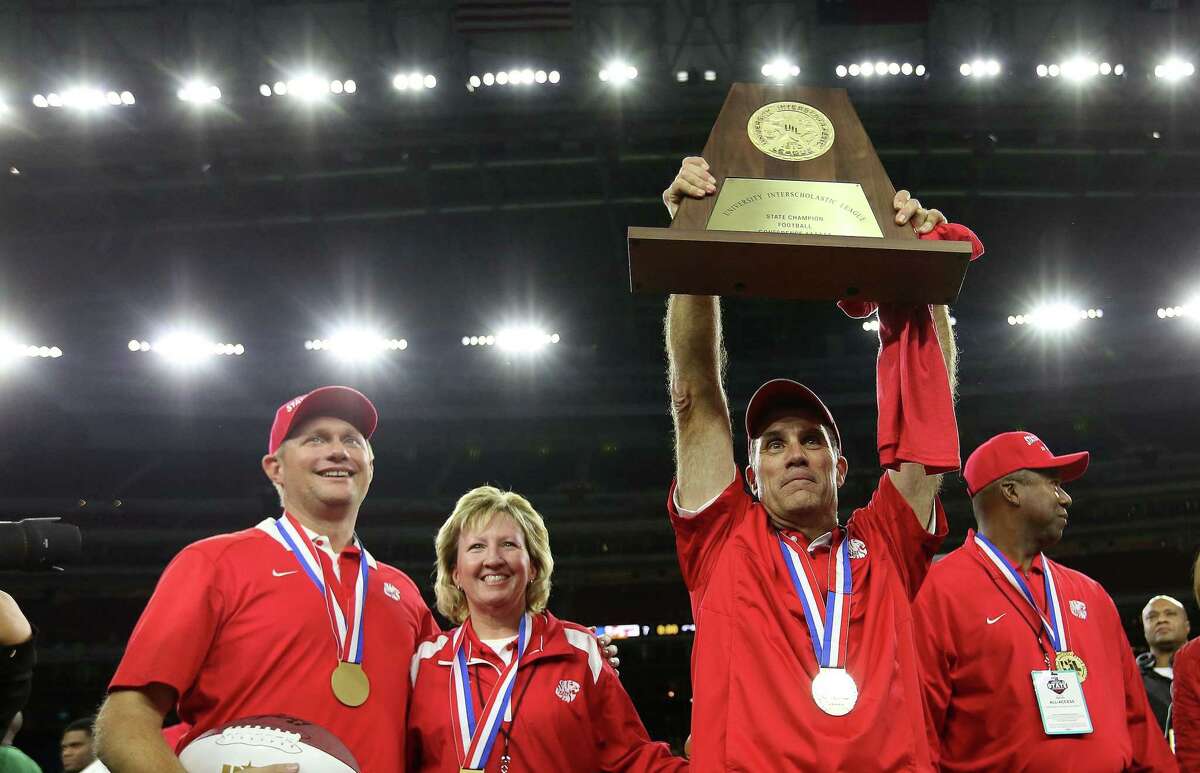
797,471
1044,505
76,749
1165,625
325,463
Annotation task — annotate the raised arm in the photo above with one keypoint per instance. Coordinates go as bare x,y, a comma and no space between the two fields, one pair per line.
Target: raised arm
704,463
917,488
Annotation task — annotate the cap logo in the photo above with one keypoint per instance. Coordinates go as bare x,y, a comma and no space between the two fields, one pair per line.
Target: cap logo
1034,440
293,404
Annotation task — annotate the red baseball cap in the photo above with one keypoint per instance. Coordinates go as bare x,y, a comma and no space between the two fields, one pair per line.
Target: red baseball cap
338,401
780,392
1012,451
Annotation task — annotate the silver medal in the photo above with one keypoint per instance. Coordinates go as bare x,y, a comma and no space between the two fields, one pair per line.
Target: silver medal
834,691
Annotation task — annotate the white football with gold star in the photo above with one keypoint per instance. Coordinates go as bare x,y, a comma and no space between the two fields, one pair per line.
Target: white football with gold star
267,740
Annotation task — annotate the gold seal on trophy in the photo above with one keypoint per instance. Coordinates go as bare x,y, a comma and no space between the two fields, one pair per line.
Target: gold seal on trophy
790,131
1069,661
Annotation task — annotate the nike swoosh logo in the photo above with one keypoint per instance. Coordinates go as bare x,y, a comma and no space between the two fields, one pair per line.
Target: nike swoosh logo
283,574
994,620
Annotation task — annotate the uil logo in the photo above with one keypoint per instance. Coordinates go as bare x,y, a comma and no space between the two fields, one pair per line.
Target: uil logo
1079,609
567,690
1058,685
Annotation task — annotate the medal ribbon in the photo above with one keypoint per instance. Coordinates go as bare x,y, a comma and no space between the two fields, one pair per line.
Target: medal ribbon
828,627
349,638
474,738
1055,628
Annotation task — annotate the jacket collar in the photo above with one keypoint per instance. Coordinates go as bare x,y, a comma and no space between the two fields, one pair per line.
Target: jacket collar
548,640
268,525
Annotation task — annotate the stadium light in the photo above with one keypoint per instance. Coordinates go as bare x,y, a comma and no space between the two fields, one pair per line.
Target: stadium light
780,69
1056,316
1190,308
1174,69
618,73
524,339
84,98
357,345
867,69
12,349
199,91
413,81
309,88
517,76
186,347
980,68
710,75
1079,69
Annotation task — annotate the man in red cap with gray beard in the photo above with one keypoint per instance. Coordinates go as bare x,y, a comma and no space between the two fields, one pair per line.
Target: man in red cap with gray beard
1025,663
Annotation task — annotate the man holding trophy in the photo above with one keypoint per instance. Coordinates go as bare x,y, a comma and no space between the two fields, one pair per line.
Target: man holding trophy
805,655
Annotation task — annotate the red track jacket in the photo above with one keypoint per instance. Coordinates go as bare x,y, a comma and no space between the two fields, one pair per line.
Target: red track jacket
570,712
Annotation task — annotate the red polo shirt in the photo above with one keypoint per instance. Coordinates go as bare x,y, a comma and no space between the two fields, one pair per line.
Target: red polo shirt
979,640
238,629
753,662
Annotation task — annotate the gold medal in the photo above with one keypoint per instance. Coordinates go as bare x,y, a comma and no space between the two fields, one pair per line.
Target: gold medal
1069,661
350,684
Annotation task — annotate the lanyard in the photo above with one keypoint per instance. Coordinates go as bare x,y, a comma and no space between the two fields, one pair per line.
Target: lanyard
828,625
349,637
1054,626
475,736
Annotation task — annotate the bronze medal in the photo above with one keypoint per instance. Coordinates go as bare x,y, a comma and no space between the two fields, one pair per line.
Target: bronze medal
1069,661
350,684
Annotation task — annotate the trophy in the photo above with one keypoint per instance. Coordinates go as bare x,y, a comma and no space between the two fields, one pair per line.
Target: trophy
803,210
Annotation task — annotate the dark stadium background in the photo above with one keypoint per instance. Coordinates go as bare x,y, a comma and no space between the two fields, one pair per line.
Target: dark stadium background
448,213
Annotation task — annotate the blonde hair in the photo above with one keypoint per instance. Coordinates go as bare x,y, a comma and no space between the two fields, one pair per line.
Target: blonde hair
475,510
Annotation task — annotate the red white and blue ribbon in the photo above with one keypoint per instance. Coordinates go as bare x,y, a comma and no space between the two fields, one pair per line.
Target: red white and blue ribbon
828,625
349,638
475,733
1055,627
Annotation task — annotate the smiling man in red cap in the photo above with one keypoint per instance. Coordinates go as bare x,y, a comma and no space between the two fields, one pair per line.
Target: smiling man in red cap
1025,663
290,617
804,657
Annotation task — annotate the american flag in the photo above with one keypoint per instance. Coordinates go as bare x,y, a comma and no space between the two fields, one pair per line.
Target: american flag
475,16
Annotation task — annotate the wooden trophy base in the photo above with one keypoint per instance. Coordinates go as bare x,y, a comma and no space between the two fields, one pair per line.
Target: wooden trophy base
792,266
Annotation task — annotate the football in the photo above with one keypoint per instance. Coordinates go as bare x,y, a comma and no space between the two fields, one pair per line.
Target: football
267,740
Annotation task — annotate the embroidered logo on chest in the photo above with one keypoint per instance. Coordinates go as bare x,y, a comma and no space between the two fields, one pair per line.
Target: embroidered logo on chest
567,690
858,548
1079,609
391,591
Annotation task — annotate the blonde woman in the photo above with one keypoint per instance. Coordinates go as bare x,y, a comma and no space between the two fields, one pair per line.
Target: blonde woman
513,688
